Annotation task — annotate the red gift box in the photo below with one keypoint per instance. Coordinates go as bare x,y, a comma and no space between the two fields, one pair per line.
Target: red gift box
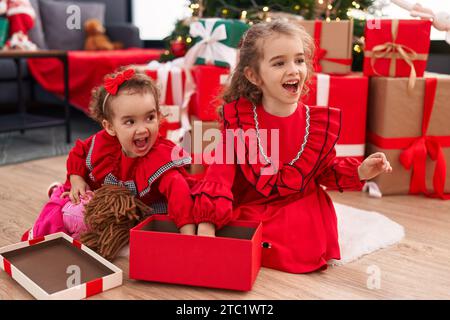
231,260
396,48
209,81
349,94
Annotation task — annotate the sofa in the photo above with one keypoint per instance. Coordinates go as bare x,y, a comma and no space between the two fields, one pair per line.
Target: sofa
115,15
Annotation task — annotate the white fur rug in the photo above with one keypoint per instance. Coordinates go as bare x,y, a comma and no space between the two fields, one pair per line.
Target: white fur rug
362,232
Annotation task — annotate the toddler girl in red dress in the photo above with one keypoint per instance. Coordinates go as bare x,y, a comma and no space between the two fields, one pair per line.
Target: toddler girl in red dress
282,154
128,152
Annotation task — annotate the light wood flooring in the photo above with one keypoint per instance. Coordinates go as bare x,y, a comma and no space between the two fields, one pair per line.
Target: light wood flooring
416,268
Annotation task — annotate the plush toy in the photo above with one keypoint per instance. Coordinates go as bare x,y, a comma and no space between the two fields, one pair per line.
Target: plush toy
21,16
96,38
441,20
109,216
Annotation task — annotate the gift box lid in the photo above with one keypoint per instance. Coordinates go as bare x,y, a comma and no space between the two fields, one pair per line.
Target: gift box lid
58,267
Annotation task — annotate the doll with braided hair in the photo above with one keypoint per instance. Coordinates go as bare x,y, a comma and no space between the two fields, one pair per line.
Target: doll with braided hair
128,152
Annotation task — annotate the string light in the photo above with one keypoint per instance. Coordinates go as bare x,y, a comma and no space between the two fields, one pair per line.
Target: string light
357,48
328,19
265,9
188,40
179,38
337,19
330,7
320,1
167,52
225,12
297,7
243,15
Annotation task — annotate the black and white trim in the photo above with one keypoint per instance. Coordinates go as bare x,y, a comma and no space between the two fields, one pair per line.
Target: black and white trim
130,185
163,169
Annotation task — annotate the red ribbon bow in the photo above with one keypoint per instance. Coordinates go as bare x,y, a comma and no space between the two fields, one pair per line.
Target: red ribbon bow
112,84
416,150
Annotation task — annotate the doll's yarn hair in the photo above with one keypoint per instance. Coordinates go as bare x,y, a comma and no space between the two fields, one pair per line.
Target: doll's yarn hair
251,54
109,216
140,83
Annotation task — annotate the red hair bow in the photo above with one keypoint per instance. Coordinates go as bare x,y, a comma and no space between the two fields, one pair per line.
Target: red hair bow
112,83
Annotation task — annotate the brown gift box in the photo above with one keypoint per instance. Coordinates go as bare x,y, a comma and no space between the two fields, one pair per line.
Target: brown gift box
395,113
200,139
336,38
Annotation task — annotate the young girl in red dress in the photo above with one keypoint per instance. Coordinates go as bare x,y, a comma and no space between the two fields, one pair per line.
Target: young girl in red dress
128,152
284,191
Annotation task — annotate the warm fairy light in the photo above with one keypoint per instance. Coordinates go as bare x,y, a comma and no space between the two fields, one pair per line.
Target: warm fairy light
265,9
179,38
167,52
225,11
357,48
250,23
188,40
244,15
320,1
297,7
337,19
268,19
328,19
330,7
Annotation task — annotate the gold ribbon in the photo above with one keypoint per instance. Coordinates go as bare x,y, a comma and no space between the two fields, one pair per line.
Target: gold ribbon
394,51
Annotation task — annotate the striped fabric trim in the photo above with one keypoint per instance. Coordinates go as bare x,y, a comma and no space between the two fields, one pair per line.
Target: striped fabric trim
89,156
130,185
163,169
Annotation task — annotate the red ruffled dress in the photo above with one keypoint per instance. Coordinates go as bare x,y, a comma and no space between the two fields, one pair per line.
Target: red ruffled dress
158,178
298,218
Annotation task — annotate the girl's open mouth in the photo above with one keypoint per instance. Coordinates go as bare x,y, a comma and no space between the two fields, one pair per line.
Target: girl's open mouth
291,86
141,143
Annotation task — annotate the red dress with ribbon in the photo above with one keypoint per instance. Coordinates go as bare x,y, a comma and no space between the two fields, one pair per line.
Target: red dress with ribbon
298,217
157,178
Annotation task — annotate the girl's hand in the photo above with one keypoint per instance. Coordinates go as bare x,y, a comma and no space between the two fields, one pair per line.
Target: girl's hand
79,188
206,229
188,229
373,165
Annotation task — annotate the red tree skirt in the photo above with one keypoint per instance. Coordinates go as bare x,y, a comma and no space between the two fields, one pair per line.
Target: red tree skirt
86,71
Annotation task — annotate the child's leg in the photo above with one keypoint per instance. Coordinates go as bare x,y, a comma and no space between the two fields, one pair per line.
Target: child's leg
50,219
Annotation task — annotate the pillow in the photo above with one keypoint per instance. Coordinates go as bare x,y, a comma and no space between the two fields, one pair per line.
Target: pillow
56,22
37,33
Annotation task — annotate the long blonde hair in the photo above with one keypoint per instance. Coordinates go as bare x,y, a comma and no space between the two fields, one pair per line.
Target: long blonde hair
250,54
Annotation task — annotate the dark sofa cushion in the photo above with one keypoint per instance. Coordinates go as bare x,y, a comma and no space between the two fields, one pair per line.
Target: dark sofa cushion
58,22
37,33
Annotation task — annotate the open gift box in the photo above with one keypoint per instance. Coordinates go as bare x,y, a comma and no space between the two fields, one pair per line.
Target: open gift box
231,260
58,267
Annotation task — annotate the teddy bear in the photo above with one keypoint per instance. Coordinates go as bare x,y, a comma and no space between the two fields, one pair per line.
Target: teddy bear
21,17
96,38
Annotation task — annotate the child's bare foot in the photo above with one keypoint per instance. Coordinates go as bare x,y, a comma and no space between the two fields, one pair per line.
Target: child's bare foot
188,229
206,229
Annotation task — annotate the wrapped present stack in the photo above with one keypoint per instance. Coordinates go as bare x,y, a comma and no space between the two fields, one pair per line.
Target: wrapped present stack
212,56
408,110
334,83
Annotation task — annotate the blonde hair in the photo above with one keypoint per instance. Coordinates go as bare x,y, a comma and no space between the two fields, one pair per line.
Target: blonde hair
139,83
250,55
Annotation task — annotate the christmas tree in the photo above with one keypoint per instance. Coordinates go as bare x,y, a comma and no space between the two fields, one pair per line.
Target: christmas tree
253,11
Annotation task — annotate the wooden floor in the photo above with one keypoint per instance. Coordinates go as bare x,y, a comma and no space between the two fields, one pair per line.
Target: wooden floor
416,268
